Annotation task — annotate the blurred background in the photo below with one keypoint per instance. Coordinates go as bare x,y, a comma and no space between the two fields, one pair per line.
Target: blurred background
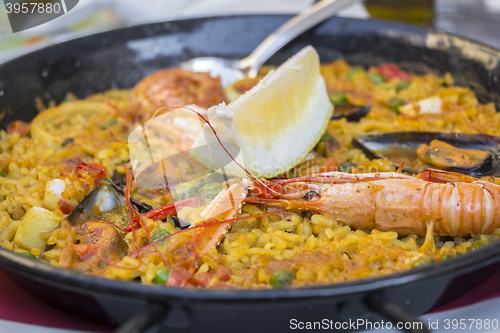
477,19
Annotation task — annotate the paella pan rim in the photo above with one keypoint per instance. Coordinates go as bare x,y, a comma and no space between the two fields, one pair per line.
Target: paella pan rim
68,279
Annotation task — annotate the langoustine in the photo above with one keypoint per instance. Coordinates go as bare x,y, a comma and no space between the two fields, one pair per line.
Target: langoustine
455,204
458,205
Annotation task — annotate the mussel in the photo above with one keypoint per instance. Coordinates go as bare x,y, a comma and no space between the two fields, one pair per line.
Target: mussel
473,154
105,199
349,112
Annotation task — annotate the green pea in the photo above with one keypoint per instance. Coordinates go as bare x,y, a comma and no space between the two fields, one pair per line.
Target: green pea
402,86
424,261
211,190
320,149
394,104
213,177
184,191
109,123
447,255
347,166
28,255
326,137
162,275
159,234
338,98
281,278
478,244
377,78
355,70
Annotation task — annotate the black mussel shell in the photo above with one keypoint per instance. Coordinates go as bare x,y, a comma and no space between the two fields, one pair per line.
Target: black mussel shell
350,112
104,198
119,179
402,146
140,206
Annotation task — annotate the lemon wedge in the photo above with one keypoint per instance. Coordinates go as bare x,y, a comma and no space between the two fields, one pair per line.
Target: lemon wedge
273,126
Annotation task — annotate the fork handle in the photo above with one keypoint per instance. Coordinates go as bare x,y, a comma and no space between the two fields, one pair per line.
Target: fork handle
288,31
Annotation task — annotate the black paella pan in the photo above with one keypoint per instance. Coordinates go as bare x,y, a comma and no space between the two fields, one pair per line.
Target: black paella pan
121,58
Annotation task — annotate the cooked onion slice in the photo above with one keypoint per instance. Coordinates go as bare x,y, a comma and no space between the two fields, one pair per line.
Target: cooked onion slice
70,120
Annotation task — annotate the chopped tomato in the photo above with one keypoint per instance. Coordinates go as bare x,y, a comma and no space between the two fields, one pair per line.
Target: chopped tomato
84,251
201,279
178,278
391,71
20,127
223,273
331,164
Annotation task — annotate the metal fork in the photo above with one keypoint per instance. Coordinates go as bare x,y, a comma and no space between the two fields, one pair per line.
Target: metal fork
231,71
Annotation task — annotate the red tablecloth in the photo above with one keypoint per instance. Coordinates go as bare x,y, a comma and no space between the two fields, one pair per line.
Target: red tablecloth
18,305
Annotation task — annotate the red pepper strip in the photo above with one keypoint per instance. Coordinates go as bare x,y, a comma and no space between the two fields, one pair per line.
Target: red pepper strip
163,212
83,166
134,224
65,207
391,71
101,170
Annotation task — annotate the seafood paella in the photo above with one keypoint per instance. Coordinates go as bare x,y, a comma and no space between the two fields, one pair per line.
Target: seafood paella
401,175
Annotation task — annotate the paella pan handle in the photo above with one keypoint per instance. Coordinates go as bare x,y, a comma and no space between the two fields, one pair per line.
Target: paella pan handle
153,315
395,313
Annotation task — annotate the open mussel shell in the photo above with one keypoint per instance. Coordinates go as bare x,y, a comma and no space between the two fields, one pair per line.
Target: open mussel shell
105,198
402,146
350,112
